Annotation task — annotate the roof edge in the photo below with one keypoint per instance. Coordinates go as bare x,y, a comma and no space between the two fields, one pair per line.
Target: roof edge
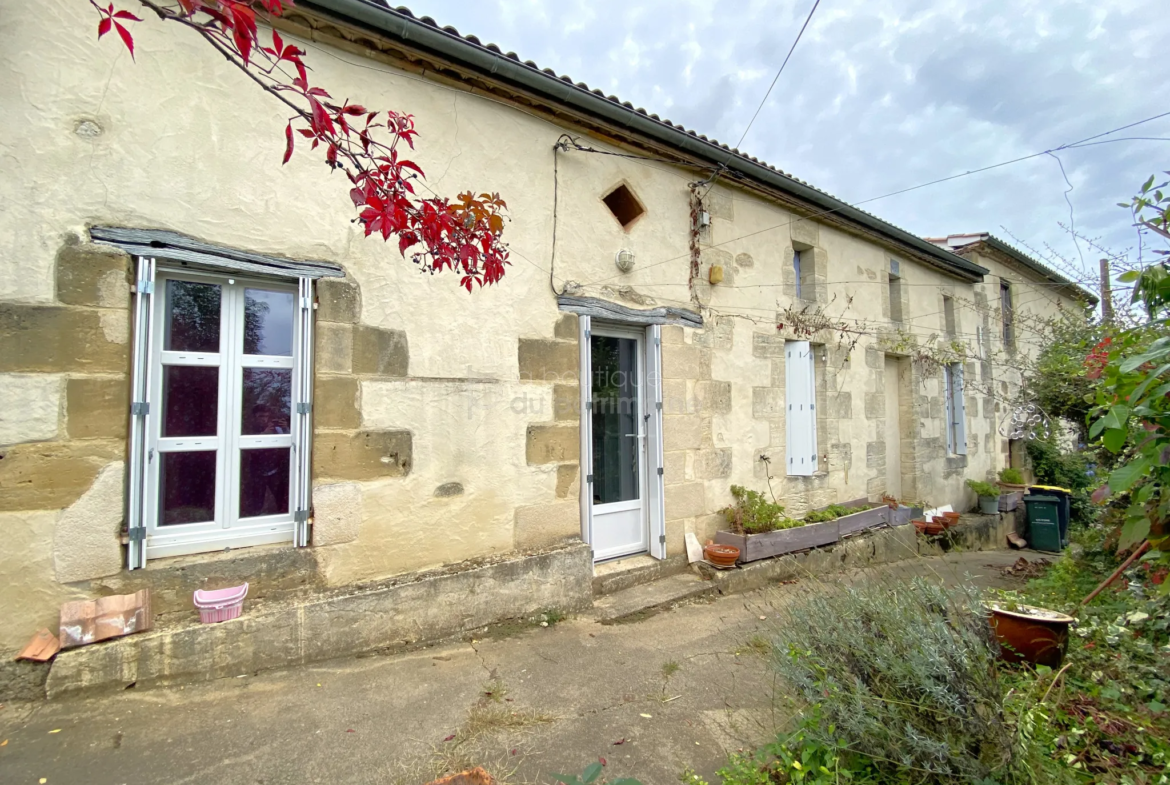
997,244
496,65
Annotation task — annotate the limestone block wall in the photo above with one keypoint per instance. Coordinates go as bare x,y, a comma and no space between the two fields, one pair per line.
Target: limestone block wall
550,369
64,403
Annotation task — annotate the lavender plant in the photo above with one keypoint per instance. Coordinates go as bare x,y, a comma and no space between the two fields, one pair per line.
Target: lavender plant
903,676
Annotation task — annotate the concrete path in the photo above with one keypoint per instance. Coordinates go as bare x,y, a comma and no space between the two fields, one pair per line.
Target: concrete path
679,689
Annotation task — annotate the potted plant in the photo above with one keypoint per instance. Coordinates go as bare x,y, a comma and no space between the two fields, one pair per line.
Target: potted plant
1027,633
988,496
1012,487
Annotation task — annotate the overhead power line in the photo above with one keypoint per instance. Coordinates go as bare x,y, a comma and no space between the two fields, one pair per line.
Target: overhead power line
776,78
1068,146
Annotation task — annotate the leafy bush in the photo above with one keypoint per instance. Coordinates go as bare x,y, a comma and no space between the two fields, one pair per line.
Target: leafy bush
903,677
1011,476
832,513
1064,470
795,759
1107,716
753,514
982,488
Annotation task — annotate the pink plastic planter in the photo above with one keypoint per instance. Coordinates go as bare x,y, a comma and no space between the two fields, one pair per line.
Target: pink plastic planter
220,604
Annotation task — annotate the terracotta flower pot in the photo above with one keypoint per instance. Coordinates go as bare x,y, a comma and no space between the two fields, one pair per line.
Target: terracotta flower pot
721,555
1029,634
930,528
950,519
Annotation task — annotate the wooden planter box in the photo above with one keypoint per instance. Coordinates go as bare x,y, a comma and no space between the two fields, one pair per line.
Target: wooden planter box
753,547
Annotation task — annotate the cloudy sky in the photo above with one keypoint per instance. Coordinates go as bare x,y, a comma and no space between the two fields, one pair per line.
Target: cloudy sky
880,95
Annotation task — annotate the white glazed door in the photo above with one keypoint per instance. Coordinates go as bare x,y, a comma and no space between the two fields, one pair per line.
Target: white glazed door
619,419
219,441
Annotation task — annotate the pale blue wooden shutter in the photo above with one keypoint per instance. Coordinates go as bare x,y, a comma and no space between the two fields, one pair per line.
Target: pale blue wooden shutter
800,410
959,410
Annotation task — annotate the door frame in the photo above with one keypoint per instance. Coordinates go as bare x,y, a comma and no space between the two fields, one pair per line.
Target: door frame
652,474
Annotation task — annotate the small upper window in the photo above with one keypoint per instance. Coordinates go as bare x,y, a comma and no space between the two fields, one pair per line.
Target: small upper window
895,292
624,205
797,268
949,315
1005,299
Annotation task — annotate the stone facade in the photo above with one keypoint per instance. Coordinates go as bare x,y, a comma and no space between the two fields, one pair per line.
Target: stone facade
446,424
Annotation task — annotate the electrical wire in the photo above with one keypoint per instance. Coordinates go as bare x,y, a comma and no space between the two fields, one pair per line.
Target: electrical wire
791,49
1071,145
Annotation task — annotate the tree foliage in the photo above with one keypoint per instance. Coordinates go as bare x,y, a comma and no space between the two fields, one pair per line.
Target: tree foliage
369,147
1132,414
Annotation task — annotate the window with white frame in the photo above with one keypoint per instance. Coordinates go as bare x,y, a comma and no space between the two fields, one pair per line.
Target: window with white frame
221,431
800,423
956,412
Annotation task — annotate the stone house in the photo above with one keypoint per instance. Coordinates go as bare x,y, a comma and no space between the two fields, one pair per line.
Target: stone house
209,374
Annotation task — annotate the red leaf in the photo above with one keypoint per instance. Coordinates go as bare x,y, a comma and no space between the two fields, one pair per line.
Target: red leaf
277,43
601,761
243,42
619,742
104,26
354,109
126,15
288,149
126,38
449,737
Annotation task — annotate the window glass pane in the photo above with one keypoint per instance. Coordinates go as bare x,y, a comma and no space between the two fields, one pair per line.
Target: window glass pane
616,448
266,404
190,400
186,487
192,317
264,478
268,322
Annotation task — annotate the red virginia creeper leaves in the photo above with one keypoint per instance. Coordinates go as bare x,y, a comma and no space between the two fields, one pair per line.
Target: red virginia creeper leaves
127,39
288,149
464,235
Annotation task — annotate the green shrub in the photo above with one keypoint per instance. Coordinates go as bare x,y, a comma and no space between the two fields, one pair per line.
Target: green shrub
831,513
1064,470
902,676
753,514
982,488
1011,476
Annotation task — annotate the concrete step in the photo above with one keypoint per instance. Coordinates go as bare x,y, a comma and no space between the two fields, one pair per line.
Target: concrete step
614,576
642,601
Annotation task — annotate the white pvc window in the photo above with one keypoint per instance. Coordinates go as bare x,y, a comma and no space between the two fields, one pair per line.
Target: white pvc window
956,413
220,429
801,416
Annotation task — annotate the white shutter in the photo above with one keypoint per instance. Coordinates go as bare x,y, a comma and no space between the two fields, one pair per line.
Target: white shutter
302,425
586,470
800,409
655,464
959,411
948,396
140,412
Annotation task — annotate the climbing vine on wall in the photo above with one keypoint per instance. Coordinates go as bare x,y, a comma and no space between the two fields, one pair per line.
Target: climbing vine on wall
928,356
370,147
809,321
